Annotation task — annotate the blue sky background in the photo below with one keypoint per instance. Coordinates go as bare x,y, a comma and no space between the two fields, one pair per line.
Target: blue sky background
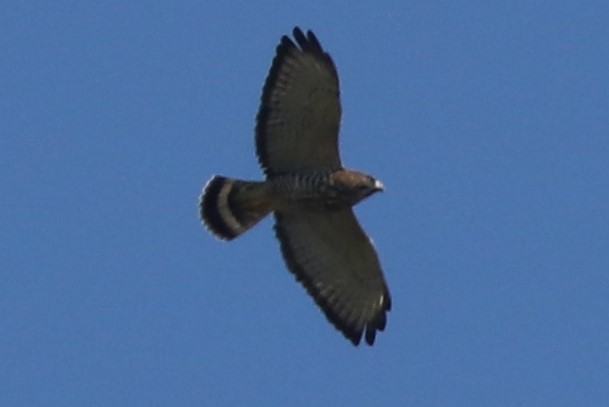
487,121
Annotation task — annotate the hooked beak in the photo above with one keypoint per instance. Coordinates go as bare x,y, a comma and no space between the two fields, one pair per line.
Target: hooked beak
378,186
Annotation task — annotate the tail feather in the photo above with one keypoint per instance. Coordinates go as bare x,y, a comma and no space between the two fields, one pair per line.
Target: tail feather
229,207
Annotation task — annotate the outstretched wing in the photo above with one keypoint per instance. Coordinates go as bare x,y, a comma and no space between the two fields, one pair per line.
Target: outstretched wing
332,257
299,117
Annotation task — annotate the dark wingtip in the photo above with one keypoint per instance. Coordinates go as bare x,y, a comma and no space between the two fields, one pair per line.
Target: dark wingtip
308,42
354,339
377,325
298,34
370,336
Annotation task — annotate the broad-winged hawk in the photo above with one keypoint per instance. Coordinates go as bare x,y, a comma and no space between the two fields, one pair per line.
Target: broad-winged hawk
309,192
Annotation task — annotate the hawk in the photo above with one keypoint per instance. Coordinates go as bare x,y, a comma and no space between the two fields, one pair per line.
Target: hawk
309,192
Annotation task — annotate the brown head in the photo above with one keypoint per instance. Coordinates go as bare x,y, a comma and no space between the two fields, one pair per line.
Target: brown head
349,187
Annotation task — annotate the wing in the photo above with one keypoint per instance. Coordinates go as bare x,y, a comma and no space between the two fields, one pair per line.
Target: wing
299,117
332,257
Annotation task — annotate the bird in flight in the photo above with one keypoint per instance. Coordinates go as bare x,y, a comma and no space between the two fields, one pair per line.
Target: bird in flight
309,192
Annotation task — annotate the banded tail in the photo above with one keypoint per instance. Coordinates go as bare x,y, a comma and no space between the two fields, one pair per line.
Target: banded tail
229,207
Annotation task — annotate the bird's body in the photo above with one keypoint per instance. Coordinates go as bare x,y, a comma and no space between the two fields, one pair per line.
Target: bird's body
308,190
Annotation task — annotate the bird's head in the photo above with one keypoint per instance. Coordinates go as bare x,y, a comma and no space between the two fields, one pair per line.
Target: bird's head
353,186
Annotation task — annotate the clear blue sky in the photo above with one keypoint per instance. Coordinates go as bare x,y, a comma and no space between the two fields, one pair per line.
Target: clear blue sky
488,123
